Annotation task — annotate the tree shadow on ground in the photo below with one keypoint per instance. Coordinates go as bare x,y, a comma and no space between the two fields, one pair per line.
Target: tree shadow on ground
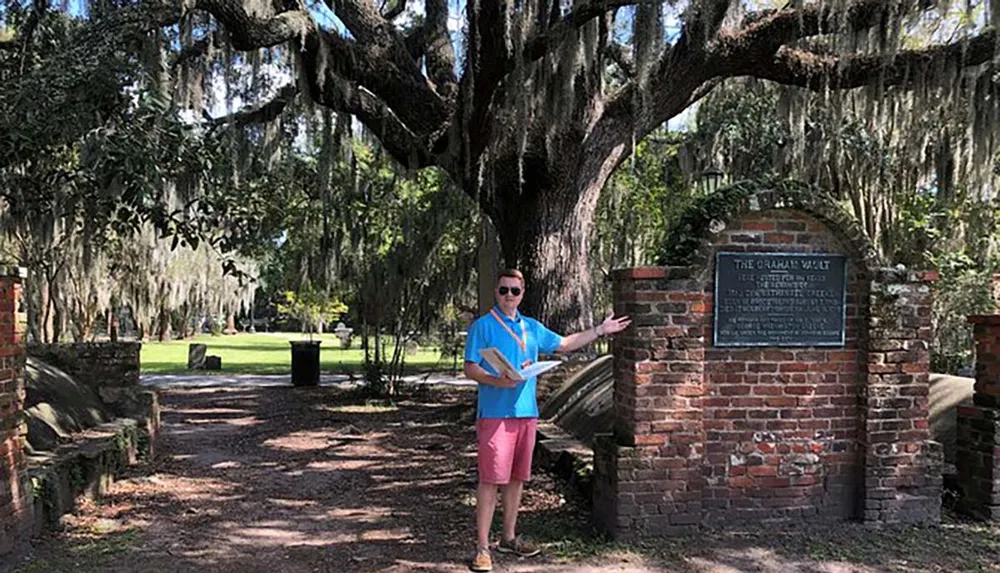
320,479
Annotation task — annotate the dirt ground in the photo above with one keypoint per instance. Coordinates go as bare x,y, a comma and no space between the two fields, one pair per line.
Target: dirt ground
320,480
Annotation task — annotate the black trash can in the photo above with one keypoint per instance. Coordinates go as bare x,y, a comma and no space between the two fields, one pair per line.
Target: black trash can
305,362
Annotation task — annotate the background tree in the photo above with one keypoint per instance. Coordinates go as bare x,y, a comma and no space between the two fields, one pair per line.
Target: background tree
543,99
914,168
642,199
531,105
100,179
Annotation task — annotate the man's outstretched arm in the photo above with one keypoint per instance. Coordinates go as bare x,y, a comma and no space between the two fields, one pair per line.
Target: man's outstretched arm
610,326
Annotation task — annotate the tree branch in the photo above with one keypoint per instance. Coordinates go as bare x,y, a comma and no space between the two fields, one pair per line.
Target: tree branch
486,64
262,114
328,87
438,49
378,60
27,32
809,70
192,52
252,31
361,17
396,10
703,21
416,42
767,33
537,47
621,58
387,69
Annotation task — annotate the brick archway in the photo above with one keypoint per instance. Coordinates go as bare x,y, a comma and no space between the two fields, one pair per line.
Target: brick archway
692,241
721,435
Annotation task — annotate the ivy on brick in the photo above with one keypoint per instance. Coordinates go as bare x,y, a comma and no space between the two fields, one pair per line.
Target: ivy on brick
687,242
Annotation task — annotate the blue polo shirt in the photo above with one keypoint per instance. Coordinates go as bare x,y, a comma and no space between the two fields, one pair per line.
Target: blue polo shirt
486,331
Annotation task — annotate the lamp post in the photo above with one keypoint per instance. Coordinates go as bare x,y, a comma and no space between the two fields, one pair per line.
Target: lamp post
711,179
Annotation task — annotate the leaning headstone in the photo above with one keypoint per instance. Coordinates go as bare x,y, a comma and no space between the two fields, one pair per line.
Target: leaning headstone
212,363
196,356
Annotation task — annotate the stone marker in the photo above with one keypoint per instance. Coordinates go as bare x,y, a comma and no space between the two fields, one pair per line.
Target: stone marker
212,363
196,356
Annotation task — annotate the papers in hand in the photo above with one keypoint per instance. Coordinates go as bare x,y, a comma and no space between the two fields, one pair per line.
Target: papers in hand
499,362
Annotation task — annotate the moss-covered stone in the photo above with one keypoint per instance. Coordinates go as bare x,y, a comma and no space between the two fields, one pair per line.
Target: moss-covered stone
85,467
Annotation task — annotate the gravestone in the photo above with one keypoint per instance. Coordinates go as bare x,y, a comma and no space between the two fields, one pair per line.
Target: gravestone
775,371
212,363
196,356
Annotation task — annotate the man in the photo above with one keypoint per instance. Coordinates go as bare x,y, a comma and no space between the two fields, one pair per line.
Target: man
508,411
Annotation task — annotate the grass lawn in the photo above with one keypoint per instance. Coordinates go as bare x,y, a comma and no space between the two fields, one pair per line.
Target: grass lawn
270,353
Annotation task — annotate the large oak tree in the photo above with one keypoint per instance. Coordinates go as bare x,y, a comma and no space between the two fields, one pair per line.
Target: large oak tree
545,98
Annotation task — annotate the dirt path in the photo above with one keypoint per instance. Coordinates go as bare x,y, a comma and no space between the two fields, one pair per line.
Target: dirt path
314,480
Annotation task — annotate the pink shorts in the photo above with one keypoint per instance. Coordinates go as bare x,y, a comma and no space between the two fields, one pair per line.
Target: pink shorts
505,449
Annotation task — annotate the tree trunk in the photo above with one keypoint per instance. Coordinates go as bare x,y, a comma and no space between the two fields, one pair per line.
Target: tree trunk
56,317
487,259
546,231
87,326
32,296
549,241
163,323
143,328
231,324
113,323
185,329
45,322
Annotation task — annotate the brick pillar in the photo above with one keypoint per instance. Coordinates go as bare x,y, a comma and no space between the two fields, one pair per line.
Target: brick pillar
978,431
647,474
15,492
902,479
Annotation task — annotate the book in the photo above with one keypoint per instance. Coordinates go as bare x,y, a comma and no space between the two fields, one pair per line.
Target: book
502,366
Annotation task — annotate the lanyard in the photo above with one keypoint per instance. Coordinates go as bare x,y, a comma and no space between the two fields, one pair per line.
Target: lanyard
522,342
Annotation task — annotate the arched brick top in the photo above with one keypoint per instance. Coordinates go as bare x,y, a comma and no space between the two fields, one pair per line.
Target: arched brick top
690,241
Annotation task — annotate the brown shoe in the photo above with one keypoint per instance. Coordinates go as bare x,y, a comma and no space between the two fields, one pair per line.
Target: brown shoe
520,546
483,560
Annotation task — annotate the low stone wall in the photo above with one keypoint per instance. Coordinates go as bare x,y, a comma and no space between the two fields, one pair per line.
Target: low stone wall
87,467
110,368
36,490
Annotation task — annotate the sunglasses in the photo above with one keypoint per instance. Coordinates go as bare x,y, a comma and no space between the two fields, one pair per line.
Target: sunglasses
513,290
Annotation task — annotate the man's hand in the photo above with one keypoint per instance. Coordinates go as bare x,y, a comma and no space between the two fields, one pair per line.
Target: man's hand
476,372
505,382
611,325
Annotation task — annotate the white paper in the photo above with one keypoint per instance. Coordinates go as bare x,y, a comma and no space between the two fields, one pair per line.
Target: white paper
501,365
539,368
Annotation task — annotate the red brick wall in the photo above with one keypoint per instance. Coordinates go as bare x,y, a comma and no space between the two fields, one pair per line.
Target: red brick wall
709,435
902,464
782,423
978,432
15,493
